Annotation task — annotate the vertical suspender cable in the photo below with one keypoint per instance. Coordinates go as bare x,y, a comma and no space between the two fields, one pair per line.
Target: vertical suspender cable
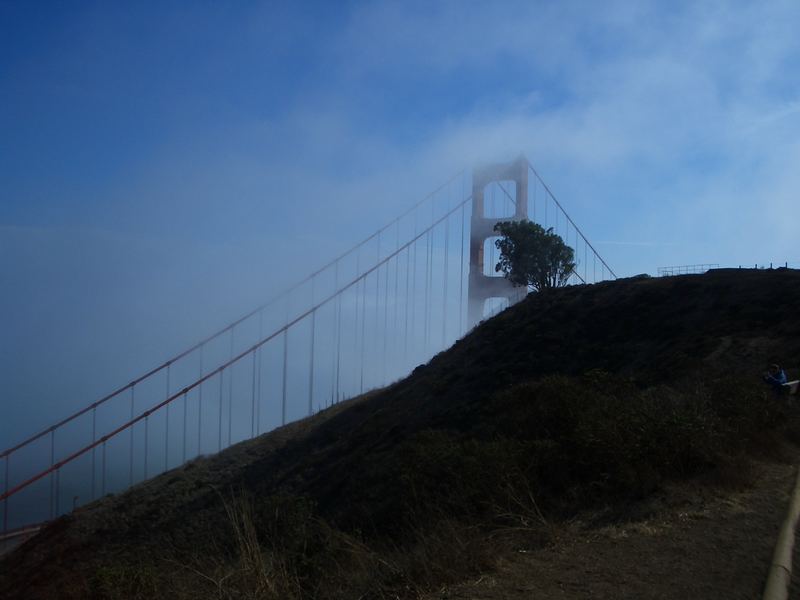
253,399
333,307
230,395
396,295
556,227
52,475
58,489
414,292
200,408
5,491
357,321
338,330
432,234
352,377
311,357
94,439
146,435
426,301
428,289
363,330
130,464
166,429
103,474
374,335
492,247
446,271
311,364
385,323
546,202
429,303
577,242
333,331
461,316
575,251
462,319
219,420
405,307
423,298
566,242
260,372
285,361
183,450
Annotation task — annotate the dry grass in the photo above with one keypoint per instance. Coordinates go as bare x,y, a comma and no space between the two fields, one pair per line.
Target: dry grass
264,573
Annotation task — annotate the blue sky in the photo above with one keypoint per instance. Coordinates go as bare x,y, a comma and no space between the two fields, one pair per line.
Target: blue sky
164,165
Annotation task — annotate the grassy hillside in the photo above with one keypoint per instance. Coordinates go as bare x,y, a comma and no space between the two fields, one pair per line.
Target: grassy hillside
584,399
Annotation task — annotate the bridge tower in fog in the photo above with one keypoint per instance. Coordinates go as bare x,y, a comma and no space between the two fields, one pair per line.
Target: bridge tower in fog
509,178
363,320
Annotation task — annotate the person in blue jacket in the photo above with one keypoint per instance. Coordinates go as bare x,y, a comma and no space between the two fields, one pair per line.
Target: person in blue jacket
775,376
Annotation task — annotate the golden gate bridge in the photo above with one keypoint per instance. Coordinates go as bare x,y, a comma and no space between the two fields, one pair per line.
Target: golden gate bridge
361,321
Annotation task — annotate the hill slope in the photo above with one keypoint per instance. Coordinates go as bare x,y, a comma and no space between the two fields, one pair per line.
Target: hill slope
587,398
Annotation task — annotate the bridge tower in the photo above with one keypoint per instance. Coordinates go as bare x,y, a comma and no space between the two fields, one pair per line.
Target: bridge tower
483,287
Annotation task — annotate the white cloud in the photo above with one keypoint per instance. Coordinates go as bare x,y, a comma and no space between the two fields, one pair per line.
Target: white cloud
668,116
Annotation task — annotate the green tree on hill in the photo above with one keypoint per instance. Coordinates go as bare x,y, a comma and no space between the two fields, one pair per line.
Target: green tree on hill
531,255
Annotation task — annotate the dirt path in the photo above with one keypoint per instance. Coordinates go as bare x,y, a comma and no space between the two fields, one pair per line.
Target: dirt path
695,544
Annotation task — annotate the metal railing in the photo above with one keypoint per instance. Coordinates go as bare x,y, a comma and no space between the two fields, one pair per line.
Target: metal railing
686,269
703,268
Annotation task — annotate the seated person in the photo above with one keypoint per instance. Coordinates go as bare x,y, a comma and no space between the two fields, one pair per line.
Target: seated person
775,376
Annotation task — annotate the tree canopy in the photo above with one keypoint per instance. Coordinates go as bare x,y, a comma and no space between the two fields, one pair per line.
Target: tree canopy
531,255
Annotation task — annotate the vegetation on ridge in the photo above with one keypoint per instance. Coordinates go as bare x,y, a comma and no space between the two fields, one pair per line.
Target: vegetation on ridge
585,399
532,256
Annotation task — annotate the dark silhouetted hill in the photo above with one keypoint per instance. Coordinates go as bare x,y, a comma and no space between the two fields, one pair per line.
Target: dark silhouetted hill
582,398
